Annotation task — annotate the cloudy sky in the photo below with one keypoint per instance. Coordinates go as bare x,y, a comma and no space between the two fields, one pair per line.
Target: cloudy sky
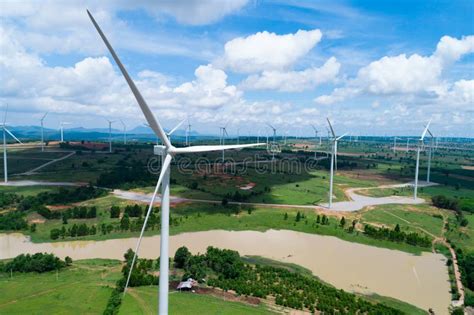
373,67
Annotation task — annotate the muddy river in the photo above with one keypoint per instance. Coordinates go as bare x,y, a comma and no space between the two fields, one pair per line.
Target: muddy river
419,280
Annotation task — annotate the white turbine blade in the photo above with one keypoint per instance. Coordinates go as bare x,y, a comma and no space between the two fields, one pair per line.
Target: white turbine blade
44,116
11,134
176,127
429,131
424,131
270,126
330,126
314,128
141,101
166,165
340,137
123,124
208,148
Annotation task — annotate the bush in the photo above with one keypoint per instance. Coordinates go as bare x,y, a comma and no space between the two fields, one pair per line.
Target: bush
38,262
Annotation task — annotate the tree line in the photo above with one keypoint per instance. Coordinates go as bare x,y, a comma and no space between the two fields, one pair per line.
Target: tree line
39,262
396,235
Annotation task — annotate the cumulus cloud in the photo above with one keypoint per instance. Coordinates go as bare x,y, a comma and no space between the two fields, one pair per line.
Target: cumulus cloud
294,81
266,51
404,74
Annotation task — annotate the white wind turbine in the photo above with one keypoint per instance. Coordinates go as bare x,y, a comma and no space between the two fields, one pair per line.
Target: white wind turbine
61,129
5,132
395,142
42,132
188,133
316,139
335,139
224,135
110,133
124,131
169,133
274,140
168,151
420,143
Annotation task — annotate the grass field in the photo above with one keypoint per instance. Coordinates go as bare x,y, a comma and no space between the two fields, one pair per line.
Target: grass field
83,288
418,218
144,300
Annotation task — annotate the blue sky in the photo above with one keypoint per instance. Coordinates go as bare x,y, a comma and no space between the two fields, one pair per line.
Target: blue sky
373,67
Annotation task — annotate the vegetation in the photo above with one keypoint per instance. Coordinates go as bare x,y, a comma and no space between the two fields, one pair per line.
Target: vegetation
396,235
13,221
38,262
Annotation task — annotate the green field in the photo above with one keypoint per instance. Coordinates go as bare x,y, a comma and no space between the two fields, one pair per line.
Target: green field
144,300
83,288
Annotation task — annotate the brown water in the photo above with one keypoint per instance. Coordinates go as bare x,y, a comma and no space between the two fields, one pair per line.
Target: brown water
419,280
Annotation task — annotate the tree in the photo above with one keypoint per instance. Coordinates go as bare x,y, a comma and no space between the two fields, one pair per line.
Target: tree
298,216
68,261
342,223
114,212
181,257
318,219
285,216
54,234
397,228
125,222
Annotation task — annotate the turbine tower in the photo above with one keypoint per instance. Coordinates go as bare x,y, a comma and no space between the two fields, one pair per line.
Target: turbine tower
61,129
188,133
316,140
42,132
110,134
274,140
5,132
395,143
335,139
124,132
224,134
168,151
420,142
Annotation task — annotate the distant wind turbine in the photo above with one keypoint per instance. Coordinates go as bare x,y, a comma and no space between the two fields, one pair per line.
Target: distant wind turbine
124,131
224,135
42,131
168,151
5,132
335,140
420,143
110,133
61,129
315,139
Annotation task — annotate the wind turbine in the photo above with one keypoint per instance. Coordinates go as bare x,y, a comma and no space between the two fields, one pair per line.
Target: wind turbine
335,139
110,134
124,132
188,133
395,143
420,142
5,131
61,128
42,132
315,139
168,151
175,128
224,134
274,140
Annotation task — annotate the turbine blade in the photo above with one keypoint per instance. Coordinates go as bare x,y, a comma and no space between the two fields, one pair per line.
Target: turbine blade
424,131
11,134
141,101
44,116
166,165
330,126
340,137
176,127
208,148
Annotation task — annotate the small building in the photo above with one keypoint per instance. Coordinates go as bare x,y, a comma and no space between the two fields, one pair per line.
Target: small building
186,285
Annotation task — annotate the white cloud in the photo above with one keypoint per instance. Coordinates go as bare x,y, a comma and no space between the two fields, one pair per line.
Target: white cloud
403,74
266,51
294,81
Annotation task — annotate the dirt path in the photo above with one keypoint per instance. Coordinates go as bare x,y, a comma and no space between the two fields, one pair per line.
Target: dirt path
31,172
143,305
